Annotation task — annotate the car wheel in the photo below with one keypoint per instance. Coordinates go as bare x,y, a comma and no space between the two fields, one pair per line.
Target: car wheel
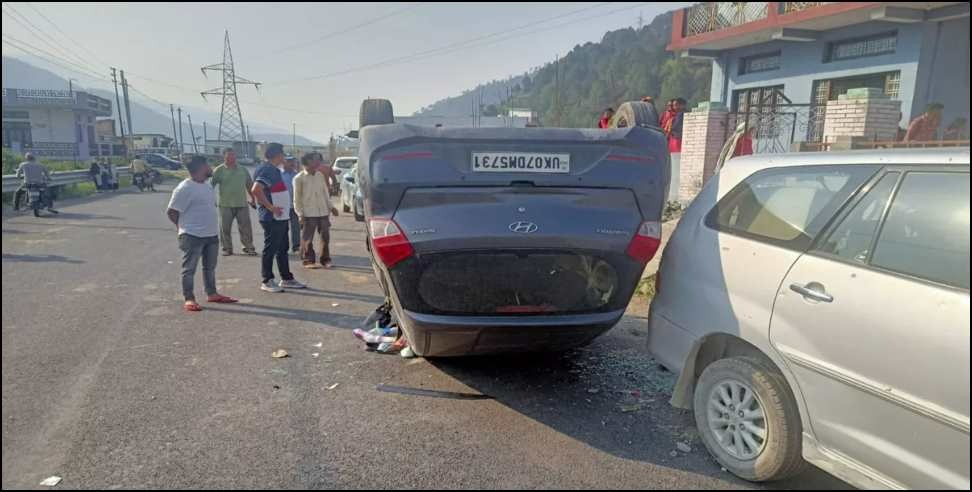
358,216
344,203
748,419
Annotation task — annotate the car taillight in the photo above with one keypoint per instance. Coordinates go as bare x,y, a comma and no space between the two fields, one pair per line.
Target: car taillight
645,242
389,242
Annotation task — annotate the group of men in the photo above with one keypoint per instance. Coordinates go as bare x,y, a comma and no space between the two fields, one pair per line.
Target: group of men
670,121
293,208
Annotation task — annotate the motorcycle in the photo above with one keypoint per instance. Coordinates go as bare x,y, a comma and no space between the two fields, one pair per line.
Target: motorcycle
147,180
38,198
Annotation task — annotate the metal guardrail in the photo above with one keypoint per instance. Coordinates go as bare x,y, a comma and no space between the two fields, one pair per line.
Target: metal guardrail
61,178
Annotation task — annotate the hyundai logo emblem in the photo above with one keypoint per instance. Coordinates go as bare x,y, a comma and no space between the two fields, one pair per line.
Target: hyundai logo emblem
522,227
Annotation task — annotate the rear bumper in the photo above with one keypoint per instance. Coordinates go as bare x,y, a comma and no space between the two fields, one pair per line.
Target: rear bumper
668,343
448,336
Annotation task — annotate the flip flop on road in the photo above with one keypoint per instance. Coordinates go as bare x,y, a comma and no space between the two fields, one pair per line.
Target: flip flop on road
220,298
192,306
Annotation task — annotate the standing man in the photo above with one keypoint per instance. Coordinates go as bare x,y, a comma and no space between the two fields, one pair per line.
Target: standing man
312,204
271,194
192,209
234,200
924,127
289,173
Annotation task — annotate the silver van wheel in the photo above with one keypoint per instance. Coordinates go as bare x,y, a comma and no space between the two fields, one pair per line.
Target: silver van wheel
736,419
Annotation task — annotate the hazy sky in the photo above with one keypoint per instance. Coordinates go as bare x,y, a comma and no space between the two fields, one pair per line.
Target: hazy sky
278,44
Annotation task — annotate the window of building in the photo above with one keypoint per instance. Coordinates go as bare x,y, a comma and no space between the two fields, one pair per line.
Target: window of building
829,89
848,49
749,100
759,63
786,206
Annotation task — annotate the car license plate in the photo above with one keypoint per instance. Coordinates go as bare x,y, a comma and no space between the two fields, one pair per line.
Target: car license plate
520,162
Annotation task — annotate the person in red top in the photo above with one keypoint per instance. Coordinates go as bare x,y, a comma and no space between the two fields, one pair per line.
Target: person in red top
924,127
605,121
671,123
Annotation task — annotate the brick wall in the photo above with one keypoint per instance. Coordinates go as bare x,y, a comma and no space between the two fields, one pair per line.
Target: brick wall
703,135
862,113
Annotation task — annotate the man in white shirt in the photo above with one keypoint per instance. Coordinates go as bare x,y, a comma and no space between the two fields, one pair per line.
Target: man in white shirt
192,209
312,204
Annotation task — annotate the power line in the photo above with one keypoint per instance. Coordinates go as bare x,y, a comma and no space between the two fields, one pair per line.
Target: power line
31,50
440,49
338,33
69,38
40,36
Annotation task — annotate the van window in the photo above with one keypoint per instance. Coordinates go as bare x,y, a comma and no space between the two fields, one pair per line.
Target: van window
787,206
852,239
926,233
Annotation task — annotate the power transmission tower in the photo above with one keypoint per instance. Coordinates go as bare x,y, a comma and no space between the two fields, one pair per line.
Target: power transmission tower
231,127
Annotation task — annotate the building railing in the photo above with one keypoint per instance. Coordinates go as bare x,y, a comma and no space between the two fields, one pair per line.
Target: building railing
713,16
790,7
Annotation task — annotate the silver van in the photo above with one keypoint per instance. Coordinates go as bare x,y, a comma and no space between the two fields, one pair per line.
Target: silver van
816,309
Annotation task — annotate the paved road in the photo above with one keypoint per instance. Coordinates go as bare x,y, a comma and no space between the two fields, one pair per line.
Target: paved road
107,383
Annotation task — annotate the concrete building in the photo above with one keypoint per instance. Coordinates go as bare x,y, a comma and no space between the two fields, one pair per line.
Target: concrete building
52,123
812,75
916,52
151,141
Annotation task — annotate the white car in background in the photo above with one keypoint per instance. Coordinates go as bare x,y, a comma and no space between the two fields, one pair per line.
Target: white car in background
344,164
351,200
816,307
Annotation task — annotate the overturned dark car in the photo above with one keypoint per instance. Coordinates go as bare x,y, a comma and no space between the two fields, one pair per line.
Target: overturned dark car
492,240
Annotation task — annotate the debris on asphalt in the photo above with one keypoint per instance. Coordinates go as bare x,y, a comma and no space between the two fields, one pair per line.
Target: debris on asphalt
431,393
408,353
384,335
628,408
377,335
319,344
673,454
593,391
335,304
315,355
279,354
276,387
683,447
276,371
51,481
335,385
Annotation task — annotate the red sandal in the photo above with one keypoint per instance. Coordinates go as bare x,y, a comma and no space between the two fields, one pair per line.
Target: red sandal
192,306
220,298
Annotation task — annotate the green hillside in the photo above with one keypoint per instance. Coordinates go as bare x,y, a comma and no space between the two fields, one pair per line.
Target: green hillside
626,64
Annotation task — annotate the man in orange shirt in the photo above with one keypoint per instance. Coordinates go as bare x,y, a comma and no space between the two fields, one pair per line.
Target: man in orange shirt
924,127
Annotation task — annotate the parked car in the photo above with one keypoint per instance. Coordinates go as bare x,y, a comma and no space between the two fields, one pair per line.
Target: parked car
351,200
508,239
344,164
160,161
816,308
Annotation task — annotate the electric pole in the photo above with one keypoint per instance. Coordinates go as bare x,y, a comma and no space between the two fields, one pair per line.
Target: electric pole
205,138
128,110
118,108
293,142
192,134
182,143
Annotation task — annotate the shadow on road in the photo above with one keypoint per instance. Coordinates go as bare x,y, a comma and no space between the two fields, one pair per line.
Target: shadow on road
312,292
40,258
616,402
84,216
337,320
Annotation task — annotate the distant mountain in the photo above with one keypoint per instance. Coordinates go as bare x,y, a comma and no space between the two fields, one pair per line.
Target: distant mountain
284,138
492,93
627,64
147,117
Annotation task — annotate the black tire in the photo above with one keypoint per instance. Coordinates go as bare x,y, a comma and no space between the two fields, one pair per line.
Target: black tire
358,216
375,112
346,208
36,212
635,113
781,455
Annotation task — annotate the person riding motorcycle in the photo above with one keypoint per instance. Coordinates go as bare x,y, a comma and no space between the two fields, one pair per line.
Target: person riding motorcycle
142,170
35,175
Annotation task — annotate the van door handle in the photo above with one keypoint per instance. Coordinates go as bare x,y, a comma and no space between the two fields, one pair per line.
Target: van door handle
812,290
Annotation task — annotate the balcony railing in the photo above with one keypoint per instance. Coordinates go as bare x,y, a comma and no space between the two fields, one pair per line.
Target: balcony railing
790,7
713,16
